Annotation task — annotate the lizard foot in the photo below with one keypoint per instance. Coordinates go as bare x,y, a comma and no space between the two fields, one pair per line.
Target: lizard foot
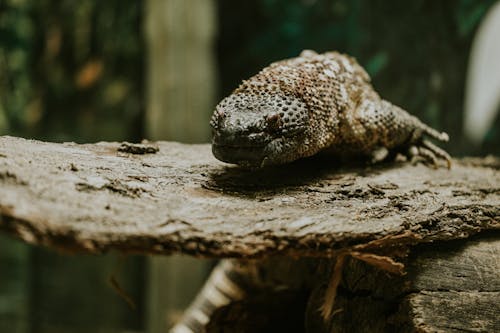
429,153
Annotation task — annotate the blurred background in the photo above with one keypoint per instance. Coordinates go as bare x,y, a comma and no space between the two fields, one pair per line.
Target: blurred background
115,70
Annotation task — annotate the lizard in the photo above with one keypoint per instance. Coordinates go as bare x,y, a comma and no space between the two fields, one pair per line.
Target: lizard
298,107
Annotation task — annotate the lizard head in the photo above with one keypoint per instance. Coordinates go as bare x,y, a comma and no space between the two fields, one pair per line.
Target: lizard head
256,130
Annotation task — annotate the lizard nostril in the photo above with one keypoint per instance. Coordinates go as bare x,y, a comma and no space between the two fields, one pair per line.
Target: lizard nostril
274,122
221,113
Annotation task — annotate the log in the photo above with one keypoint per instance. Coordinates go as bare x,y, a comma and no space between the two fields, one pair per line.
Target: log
455,287
292,222
450,287
167,197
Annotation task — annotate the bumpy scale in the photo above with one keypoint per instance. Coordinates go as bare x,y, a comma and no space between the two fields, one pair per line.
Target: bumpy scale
297,107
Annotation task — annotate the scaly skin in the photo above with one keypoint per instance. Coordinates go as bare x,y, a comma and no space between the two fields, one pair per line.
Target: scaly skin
297,107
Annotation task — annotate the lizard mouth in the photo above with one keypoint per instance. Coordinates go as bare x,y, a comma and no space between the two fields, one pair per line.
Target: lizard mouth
275,151
246,150
246,155
257,149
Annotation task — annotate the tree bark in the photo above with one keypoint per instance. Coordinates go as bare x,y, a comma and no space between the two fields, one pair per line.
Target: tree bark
448,287
179,199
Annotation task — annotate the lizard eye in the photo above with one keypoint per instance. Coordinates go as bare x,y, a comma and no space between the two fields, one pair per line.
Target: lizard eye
274,122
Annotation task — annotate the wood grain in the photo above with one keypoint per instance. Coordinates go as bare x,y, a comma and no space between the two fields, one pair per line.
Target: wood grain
96,197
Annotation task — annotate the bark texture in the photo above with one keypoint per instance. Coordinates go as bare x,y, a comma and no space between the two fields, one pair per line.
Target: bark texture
455,287
449,287
167,197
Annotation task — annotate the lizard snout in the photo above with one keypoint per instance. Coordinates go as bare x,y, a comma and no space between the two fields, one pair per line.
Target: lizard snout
254,130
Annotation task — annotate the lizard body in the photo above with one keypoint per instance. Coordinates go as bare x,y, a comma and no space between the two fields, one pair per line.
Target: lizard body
297,107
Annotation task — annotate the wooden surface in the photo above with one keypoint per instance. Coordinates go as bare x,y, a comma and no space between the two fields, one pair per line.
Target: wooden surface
179,199
455,288
450,287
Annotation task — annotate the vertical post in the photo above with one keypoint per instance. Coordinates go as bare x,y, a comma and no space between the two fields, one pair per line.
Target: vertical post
180,69
180,97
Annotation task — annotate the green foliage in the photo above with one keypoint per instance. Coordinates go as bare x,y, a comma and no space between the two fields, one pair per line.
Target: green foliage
16,34
469,13
69,70
72,70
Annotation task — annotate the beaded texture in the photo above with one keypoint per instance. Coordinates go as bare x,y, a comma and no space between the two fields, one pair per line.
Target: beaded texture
297,107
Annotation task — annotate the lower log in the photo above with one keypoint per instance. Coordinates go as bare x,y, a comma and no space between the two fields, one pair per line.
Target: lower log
449,287
459,311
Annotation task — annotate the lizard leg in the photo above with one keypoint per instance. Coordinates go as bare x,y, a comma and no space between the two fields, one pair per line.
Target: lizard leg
418,131
378,123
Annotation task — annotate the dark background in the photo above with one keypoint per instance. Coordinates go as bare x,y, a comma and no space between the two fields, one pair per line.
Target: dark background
75,71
